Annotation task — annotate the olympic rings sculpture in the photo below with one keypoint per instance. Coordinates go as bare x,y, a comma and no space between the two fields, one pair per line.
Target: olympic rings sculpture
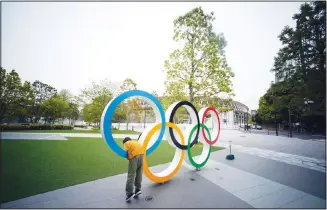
175,139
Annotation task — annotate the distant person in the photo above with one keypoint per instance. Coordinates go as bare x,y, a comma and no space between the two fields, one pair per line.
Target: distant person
135,167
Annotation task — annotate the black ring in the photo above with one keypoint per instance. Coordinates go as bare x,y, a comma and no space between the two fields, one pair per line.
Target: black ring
177,144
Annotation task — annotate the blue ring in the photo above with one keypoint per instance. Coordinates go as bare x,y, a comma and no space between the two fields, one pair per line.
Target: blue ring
109,114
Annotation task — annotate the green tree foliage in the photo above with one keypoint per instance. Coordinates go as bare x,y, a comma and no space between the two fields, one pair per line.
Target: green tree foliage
95,98
14,96
72,112
42,92
92,112
301,66
104,88
130,108
66,95
53,109
257,119
265,110
198,68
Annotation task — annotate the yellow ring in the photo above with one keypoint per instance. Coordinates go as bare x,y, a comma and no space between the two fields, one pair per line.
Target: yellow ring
146,170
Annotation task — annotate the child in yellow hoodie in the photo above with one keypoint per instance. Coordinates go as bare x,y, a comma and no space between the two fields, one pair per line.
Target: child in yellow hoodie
135,167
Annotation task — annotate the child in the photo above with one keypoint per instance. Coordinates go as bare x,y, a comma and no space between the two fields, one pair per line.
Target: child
135,167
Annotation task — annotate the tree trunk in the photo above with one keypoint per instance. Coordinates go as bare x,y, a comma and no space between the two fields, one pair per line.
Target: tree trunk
191,94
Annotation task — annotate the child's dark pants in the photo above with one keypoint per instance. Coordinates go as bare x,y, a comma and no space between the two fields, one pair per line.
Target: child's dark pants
134,175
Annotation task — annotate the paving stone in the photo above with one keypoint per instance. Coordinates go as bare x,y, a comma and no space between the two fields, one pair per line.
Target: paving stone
277,199
259,191
307,202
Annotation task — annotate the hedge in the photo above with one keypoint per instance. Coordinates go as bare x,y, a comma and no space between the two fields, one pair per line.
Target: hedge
17,127
80,126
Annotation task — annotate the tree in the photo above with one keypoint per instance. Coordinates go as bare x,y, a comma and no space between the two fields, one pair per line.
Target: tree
42,92
257,119
104,88
92,112
88,114
265,110
66,95
301,64
14,95
27,101
53,109
72,113
94,99
198,69
132,107
148,111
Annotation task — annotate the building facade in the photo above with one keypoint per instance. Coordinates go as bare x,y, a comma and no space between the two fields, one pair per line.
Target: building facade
237,116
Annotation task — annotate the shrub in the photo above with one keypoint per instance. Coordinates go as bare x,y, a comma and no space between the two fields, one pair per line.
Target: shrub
96,128
80,126
19,127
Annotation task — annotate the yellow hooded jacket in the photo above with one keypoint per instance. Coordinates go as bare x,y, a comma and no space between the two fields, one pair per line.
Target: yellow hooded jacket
133,149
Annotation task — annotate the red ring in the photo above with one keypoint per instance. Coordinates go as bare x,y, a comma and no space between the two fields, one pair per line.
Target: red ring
203,118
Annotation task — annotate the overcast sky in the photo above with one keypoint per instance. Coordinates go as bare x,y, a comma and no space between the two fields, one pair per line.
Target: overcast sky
68,45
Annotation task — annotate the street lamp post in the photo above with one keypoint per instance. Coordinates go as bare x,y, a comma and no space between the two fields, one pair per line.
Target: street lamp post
276,125
289,121
247,119
307,102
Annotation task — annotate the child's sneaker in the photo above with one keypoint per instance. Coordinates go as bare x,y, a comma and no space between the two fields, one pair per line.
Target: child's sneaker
129,197
137,192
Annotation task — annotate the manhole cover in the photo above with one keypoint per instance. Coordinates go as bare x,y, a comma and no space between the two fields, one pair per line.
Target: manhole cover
192,179
149,198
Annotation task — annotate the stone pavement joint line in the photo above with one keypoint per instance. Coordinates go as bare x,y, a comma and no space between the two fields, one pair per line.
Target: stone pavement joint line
255,190
306,162
252,189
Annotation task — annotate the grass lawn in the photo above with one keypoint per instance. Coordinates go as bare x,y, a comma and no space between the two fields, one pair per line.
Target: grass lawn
76,131
30,167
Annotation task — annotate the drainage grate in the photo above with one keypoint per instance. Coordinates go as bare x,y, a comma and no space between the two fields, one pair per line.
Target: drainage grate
149,198
192,179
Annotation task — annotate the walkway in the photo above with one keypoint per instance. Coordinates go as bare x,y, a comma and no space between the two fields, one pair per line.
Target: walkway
268,172
218,185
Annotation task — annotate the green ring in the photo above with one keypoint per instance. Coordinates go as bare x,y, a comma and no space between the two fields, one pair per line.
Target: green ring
197,165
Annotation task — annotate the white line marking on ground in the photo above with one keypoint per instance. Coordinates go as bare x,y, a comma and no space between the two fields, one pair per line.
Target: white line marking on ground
47,137
306,162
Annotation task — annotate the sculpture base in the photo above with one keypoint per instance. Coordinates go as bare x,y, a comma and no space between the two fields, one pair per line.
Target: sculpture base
230,157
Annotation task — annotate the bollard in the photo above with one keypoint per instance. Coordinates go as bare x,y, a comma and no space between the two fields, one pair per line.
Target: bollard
230,156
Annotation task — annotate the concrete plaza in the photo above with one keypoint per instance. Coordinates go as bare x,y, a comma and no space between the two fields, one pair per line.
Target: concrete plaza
268,172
